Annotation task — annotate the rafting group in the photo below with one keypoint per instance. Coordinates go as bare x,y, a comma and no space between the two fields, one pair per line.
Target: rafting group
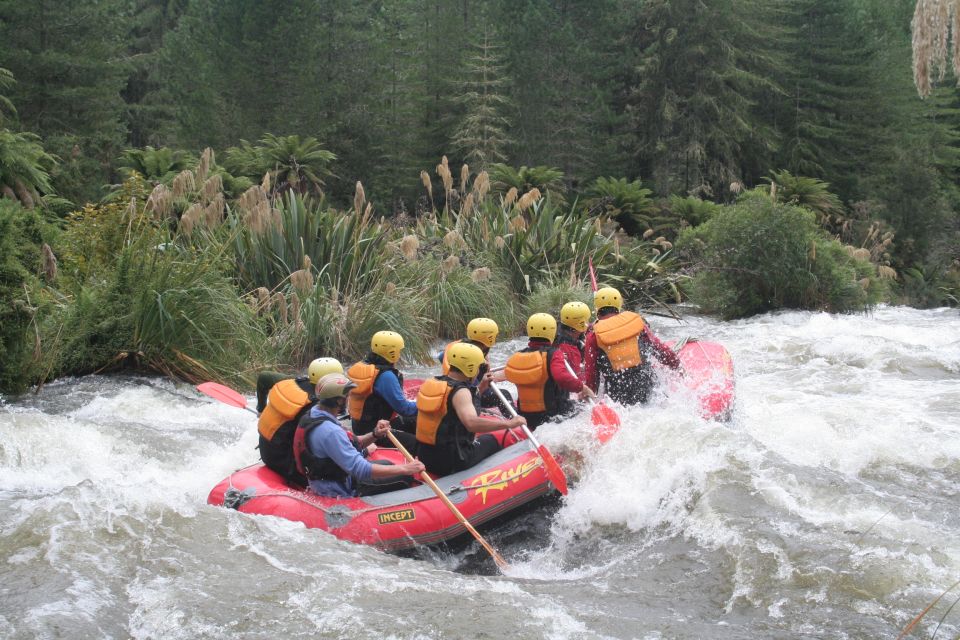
460,417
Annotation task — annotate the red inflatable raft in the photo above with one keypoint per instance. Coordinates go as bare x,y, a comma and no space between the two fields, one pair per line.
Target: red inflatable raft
400,519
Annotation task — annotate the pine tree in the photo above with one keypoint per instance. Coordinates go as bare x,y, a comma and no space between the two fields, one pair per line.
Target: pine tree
481,134
565,68
150,110
701,69
833,114
67,59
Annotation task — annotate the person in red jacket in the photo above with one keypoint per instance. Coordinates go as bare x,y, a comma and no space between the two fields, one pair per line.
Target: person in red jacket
573,323
542,375
618,350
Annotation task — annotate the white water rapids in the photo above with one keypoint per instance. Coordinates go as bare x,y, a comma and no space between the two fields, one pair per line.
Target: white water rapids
827,508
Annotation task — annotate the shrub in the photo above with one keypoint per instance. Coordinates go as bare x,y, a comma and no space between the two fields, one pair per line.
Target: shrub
21,238
758,256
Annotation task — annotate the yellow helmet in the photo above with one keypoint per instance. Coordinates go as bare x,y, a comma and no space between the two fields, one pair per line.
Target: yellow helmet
333,385
387,344
483,330
607,297
321,367
466,357
575,315
542,325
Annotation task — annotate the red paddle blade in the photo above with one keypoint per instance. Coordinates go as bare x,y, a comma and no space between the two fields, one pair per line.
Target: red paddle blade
224,394
606,421
554,472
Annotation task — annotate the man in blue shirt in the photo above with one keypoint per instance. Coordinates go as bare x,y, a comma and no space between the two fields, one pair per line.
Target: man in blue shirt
379,388
333,459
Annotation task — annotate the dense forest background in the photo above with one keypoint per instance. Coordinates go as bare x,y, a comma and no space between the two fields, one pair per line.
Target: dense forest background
655,113
688,96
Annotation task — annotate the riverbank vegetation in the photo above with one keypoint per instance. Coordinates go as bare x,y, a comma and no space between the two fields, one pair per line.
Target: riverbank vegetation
350,193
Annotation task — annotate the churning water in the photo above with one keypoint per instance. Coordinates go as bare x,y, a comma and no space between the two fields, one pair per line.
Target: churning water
827,508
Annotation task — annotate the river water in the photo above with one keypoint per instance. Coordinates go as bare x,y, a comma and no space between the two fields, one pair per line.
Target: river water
827,508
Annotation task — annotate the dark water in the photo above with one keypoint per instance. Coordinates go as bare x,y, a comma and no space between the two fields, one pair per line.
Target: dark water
828,508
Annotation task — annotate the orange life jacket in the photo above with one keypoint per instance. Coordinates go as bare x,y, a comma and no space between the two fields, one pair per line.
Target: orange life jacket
362,374
432,406
285,400
530,371
617,337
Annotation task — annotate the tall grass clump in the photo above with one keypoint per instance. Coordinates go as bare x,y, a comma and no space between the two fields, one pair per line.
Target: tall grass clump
274,237
454,295
341,323
759,255
152,299
551,294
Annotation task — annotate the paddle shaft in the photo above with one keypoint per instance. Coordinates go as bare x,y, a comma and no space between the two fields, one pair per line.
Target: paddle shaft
501,563
513,413
566,363
554,473
238,401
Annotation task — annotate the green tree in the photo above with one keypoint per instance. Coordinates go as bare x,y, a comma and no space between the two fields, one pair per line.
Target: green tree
700,71
6,81
68,60
149,107
21,239
566,61
24,168
481,133
292,164
156,165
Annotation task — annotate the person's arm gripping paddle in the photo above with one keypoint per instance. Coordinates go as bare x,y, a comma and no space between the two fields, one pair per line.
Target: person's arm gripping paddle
554,472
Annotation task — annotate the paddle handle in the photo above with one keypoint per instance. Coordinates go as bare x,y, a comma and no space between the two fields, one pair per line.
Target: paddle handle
501,563
513,413
566,363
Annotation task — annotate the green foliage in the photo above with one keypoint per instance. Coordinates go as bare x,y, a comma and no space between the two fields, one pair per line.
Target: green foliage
145,299
626,202
156,165
759,256
6,81
67,58
453,296
95,234
292,164
546,179
21,238
808,193
481,134
700,71
24,168
690,211
931,285
551,294
347,249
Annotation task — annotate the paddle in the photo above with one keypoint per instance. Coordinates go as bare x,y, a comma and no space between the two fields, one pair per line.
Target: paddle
233,398
501,563
554,472
604,418
225,395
